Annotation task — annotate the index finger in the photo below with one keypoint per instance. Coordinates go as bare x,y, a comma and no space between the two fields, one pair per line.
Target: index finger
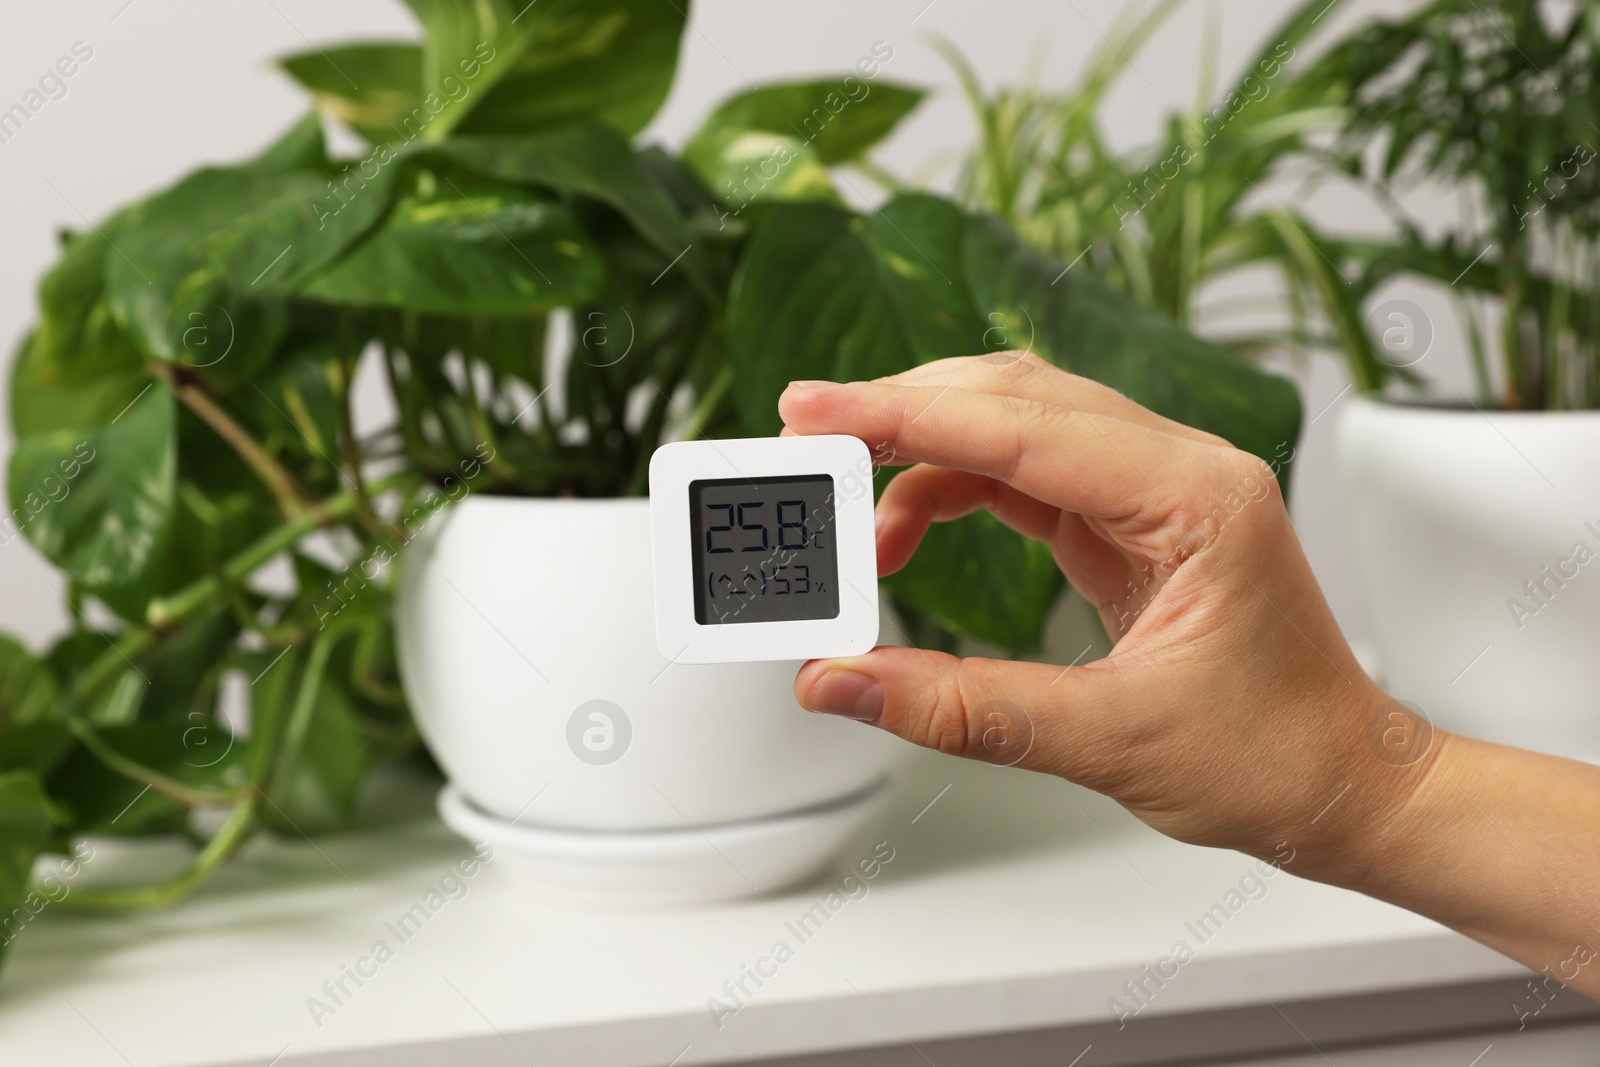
1029,376
1088,463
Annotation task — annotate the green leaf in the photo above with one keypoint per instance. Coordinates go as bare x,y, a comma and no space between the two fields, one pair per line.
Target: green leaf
99,800
26,827
483,251
99,500
608,60
805,304
976,577
837,119
302,147
177,671
584,159
753,166
73,654
209,529
36,746
823,294
26,815
207,253
79,367
298,706
28,690
322,793
917,243
76,333
466,49
1077,322
198,751
48,394
373,88
295,410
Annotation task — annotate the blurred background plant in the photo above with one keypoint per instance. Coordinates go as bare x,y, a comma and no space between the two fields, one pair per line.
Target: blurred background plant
1499,100
1495,100
1165,221
538,302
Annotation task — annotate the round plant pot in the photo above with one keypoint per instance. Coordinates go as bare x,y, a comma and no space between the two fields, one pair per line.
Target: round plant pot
1477,547
527,644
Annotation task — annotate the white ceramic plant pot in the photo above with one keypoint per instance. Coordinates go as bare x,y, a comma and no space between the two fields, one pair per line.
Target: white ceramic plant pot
527,645
1477,540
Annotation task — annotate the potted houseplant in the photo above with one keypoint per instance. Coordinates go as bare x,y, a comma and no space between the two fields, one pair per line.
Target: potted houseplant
1475,516
1169,222
539,302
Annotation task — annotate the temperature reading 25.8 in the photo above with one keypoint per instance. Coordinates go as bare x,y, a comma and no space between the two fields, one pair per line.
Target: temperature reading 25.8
748,518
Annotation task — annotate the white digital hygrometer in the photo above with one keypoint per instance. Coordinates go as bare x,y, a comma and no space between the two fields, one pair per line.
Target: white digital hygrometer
764,549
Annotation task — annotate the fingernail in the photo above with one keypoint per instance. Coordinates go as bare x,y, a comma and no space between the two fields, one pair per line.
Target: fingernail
847,693
812,383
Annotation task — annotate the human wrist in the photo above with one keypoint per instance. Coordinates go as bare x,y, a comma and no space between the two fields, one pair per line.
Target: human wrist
1396,802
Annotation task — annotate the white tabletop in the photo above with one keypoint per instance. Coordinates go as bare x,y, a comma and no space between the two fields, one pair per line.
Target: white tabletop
1013,902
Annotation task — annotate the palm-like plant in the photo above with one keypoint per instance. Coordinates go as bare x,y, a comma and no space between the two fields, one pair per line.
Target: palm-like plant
1500,97
1164,222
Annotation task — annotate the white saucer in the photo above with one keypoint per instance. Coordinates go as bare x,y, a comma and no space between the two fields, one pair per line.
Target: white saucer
666,868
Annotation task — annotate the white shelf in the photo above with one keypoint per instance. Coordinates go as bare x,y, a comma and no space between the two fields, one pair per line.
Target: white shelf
1013,902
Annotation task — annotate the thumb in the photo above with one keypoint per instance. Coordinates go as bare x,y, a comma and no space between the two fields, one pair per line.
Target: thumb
1032,715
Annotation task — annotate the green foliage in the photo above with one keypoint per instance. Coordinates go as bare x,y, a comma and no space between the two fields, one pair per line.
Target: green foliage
1497,98
776,142
371,88
26,827
28,692
183,405
100,497
1161,223
446,251
1501,98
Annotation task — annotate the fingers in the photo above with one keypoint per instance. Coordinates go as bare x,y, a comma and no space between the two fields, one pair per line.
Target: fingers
1032,715
1030,377
923,495
1093,464
918,497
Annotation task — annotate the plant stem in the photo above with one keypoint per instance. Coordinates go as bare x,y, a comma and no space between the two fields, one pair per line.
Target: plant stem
305,703
163,612
290,498
700,417
1480,357
164,784
665,382
468,337
233,833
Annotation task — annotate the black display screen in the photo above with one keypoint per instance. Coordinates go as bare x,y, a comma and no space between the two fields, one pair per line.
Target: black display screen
764,549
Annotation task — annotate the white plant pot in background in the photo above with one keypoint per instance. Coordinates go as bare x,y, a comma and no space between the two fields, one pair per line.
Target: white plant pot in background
1477,544
527,644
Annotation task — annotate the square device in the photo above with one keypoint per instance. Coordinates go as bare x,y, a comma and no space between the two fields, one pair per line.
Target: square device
764,549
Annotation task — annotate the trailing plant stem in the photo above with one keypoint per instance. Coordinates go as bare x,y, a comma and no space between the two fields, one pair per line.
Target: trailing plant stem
166,611
235,830
164,784
305,703
290,498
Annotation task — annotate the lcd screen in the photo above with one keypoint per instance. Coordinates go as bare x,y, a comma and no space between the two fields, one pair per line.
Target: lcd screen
764,549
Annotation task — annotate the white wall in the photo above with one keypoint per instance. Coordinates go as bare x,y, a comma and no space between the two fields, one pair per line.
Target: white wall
176,83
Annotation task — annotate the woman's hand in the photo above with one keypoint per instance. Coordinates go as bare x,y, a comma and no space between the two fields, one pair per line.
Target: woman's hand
1231,711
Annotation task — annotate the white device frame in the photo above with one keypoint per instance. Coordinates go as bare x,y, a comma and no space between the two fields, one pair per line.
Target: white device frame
846,460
